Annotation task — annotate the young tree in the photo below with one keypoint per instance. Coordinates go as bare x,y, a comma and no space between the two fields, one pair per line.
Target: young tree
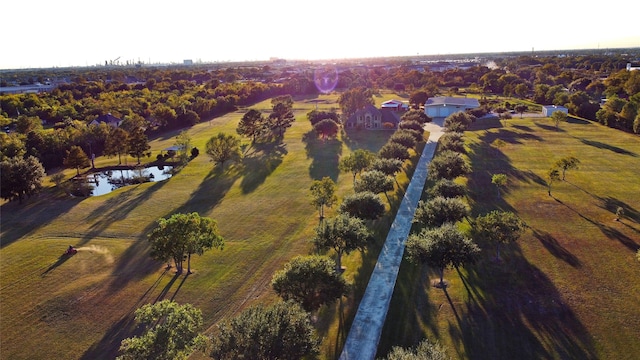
20,177
448,189
441,247
326,128
183,143
426,350
343,234
452,141
448,165
281,331
223,147
363,205
356,162
117,143
182,235
499,227
499,180
458,121
557,117
552,175
439,210
403,138
171,332
520,108
323,193
567,163
311,281
76,158
252,124
138,143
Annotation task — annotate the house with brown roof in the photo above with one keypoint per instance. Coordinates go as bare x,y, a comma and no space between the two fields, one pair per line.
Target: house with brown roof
372,118
108,119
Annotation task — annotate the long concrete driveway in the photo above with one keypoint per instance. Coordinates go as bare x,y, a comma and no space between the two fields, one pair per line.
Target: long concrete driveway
364,335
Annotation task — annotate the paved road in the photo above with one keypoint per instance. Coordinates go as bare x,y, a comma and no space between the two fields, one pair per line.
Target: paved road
364,335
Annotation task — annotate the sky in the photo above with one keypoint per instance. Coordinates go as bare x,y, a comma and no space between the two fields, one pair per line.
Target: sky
46,33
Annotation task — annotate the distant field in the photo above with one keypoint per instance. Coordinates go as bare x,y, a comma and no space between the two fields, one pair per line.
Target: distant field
82,307
569,288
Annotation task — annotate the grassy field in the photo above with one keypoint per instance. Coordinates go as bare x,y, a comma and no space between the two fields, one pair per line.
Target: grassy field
81,307
569,288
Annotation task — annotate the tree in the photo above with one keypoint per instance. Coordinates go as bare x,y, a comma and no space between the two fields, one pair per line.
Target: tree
388,167
452,141
343,234
458,120
315,116
425,350
520,108
499,180
117,143
552,175
138,143
403,138
447,188
323,193
439,210
521,90
354,99
441,247
448,165
252,124
311,281
418,98
20,177
171,332
76,158
363,205
181,235
281,331
375,181
326,128
223,147
356,162
281,116
183,143
567,163
557,117
393,150
499,227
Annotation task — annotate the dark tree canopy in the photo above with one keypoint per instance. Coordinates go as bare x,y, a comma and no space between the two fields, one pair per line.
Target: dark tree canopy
375,181
354,99
363,205
459,120
281,116
20,177
439,210
403,138
138,143
388,167
426,350
326,128
76,159
393,150
281,331
315,116
448,189
252,124
448,165
452,141
311,281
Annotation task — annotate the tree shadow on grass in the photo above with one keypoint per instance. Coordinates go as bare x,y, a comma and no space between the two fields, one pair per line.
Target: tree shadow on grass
324,155
521,314
612,205
261,162
615,149
549,127
556,249
20,220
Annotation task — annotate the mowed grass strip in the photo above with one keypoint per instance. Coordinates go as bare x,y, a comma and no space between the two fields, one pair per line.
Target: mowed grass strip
82,306
569,288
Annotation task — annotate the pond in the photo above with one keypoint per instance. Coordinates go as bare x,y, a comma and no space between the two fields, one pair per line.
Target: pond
107,181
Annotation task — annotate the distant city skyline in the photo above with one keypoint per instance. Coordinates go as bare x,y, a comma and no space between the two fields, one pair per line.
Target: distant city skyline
79,33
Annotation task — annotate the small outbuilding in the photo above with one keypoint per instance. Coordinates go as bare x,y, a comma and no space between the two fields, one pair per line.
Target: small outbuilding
443,106
550,109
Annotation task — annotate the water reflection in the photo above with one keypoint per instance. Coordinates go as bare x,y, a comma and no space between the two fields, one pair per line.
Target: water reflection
108,181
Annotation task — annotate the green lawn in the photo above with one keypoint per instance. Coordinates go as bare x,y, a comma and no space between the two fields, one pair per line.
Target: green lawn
81,307
569,288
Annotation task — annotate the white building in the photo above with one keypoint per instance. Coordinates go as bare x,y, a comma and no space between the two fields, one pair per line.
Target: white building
550,109
443,106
